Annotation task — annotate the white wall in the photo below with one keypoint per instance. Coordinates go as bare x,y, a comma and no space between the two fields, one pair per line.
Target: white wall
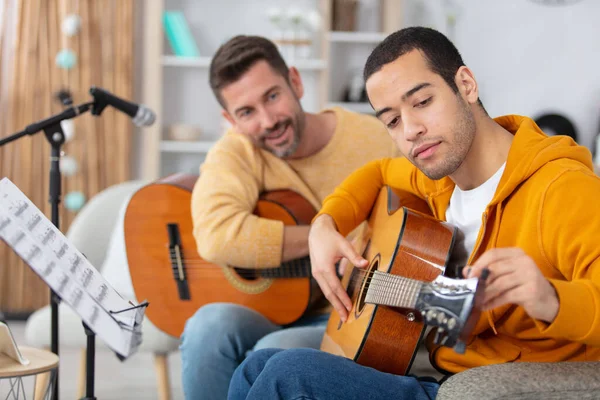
528,58
187,96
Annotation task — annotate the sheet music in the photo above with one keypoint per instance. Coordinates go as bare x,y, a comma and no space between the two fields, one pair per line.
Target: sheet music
66,270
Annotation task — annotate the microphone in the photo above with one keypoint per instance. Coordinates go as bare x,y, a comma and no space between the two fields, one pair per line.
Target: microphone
140,114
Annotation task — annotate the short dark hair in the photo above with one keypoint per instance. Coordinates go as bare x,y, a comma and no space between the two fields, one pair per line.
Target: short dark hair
441,55
235,57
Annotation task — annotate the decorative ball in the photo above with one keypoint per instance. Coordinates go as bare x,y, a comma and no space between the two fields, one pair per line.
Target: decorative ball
74,201
68,127
71,24
66,59
68,166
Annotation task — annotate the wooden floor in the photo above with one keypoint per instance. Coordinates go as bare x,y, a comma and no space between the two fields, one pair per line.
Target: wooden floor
134,378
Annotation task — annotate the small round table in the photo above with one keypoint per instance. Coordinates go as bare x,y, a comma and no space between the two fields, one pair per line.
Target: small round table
40,361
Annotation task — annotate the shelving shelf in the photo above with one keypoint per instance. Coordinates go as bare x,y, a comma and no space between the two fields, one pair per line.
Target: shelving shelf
204,62
356,37
174,146
177,61
178,90
364,108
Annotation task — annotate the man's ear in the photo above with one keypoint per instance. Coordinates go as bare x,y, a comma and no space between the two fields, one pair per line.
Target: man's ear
228,117
467,85
296,82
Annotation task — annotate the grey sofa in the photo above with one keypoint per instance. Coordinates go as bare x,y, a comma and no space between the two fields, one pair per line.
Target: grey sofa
524,381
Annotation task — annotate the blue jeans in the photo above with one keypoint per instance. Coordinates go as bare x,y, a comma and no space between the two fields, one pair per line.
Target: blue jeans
219,337
315,375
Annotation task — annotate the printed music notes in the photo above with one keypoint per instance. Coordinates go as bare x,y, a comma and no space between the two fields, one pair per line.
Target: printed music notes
66,270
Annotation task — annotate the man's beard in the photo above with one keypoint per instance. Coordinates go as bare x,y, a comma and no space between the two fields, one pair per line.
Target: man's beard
290,146
463,134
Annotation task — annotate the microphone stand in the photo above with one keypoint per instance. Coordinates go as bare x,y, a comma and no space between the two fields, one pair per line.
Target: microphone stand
56,137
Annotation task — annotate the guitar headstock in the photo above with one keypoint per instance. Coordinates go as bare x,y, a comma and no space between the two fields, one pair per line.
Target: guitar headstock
453,306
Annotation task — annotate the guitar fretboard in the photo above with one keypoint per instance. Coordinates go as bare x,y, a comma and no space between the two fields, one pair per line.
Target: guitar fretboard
299,268
392,290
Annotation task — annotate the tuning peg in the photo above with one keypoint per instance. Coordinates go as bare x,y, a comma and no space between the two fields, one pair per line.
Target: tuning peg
440,336
441,318
431,315
451,323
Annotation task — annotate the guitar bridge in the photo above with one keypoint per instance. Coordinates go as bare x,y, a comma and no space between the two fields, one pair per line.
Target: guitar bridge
177,265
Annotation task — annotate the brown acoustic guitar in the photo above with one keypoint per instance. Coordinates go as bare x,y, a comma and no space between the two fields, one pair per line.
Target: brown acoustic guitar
167,270
402,290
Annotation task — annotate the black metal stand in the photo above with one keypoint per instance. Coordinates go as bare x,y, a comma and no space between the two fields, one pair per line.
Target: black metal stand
90,360
55,135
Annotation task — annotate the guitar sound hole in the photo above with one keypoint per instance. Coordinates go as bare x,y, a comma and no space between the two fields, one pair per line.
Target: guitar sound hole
360,304
247,274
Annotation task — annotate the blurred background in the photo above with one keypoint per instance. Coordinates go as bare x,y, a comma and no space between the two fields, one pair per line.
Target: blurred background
531,57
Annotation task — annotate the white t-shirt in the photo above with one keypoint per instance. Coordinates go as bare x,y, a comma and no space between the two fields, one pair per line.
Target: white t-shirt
465,212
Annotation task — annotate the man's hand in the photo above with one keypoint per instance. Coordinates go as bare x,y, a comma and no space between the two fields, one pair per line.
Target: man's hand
515,279
327,246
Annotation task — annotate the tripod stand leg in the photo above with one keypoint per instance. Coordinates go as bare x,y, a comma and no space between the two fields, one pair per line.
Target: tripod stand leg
90,358
56,137
54,301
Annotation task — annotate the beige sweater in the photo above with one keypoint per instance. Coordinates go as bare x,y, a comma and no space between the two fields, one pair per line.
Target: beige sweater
236,172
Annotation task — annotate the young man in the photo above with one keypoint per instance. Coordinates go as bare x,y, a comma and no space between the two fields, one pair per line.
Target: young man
525,203
274,144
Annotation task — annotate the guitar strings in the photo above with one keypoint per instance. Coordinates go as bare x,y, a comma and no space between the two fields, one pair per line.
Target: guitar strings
386,287
354,283
376,282
386,281
395,290
216,270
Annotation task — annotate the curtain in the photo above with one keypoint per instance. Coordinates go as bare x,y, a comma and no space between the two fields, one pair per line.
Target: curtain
30,39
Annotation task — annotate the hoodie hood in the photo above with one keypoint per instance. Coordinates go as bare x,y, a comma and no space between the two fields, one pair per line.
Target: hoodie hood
539,170
531,149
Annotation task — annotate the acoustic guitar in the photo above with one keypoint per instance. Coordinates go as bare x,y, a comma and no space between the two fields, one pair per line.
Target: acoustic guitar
402,290
167,270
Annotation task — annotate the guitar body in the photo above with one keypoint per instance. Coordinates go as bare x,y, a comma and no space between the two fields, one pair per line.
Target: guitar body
402,242
167,271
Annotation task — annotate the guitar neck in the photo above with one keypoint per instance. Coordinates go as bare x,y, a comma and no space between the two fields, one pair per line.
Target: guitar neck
393,290
299,268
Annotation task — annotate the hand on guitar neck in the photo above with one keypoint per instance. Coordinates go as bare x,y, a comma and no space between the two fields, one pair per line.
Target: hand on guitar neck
167,270
393,286
328,247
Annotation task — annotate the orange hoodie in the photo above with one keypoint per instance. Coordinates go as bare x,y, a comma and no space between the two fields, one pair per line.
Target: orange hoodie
548,204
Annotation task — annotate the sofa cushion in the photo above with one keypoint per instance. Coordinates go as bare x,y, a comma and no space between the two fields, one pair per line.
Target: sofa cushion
524,381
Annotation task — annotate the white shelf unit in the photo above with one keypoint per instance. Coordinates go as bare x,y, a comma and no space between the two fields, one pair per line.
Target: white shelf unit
175,61
177,87
181,146
348,52
204,62
364,108
356,37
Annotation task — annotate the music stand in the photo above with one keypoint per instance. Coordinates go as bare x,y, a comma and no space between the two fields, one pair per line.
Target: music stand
70,275
54,134
56,137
